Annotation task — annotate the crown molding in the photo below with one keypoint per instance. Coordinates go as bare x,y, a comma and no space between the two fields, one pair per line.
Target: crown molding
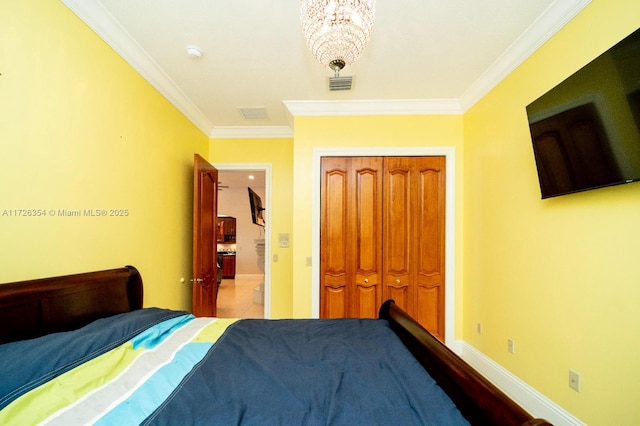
557,14
374,107
107,27
258,132
554,17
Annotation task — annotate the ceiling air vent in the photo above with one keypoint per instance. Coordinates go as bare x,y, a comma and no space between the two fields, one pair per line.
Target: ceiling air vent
340,83
253,113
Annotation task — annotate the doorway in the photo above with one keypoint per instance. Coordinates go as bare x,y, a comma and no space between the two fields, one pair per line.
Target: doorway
245,292
449,154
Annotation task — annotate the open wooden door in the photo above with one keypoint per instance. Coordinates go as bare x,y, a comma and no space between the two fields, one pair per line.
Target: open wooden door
205,246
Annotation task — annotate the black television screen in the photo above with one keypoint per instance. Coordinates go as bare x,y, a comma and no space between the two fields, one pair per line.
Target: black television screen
586,130
256,208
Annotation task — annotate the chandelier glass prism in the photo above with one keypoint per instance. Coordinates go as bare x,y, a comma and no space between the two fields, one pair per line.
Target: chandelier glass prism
337,31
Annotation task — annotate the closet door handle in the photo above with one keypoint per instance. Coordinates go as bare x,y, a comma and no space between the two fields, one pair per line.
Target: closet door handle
366,280
398,281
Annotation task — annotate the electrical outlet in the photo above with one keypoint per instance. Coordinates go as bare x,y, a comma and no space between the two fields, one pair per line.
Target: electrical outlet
511,346
479,328
574,380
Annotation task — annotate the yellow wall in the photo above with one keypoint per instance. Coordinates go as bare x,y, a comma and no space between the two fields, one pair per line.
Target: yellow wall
357,132
559,276
279,153
80,129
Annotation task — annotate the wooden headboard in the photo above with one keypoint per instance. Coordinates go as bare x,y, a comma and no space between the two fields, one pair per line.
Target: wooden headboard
37,307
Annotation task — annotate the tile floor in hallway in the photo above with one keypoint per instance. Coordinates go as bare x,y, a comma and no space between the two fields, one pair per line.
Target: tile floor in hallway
235,299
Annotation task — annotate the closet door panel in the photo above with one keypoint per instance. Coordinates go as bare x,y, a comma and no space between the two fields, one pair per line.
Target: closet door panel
429,314
351,237
368,220
336,222
397,232
366,301
398,221
335,259
399,293
429,242
429,223
367,226
334,303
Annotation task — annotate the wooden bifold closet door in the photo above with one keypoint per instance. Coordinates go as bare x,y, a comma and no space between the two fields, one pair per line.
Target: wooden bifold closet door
382,237
351,237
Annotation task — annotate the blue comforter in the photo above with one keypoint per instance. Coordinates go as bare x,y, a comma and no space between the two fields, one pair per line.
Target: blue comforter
163,367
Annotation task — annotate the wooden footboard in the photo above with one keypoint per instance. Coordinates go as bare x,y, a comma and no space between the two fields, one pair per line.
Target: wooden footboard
480,401
34,308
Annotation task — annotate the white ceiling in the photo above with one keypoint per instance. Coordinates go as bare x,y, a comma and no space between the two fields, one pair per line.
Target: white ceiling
241,179
424,57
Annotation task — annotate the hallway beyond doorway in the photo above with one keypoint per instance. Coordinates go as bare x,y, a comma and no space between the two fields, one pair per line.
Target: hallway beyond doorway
235,299
234,201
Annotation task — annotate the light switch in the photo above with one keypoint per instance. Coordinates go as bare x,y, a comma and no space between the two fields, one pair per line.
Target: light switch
283,240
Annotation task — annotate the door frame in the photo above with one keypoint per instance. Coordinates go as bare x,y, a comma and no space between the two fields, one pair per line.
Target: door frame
449,244
267,169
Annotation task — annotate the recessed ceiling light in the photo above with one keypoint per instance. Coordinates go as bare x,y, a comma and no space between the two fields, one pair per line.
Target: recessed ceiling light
251,177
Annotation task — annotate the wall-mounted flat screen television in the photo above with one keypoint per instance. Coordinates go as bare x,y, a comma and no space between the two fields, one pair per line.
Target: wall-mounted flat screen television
586,130
256,208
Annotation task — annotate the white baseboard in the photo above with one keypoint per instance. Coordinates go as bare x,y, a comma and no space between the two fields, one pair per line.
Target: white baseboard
531,400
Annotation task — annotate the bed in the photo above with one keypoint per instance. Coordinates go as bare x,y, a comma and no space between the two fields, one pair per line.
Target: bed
75,330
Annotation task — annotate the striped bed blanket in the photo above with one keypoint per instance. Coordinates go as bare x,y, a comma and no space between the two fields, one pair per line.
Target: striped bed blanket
156,366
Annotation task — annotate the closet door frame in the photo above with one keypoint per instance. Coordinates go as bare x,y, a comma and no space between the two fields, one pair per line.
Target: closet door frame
449,154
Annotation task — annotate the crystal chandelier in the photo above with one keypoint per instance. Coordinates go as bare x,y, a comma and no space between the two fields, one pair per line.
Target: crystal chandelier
337,31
